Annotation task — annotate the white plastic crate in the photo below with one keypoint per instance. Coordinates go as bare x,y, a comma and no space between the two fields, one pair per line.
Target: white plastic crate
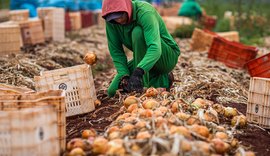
78,83
53,22
31,131
258,108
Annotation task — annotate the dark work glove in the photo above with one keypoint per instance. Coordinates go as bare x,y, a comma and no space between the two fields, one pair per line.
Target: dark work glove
124,84
135,82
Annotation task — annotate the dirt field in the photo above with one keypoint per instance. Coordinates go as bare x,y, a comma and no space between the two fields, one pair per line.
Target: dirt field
196,77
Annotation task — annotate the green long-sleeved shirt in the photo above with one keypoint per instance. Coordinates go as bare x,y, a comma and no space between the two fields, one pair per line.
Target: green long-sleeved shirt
154,29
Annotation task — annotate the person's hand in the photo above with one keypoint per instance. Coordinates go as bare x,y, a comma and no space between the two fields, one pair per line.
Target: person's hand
124,84
135,82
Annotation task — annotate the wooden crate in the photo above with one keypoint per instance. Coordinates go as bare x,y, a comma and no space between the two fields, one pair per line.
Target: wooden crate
19,15
32,32
31,131
201,40
76,21
173,23
55,98
53,22
78,83
258,108
10,40
231,35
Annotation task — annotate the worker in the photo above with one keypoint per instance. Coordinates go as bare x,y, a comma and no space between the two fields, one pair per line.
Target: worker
190,8
30,5
138,26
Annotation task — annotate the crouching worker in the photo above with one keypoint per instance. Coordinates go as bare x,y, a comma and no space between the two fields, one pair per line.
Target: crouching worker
139,27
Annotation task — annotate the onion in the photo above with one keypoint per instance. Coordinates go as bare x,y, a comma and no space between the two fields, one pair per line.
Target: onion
150,104
203,147
77,152
220,146
130,100
100,145
180,130
199,103
89,133
165,102
163,110
230,112
127,128
123,116
234,143
131,119
147,113
74,143
221,135
241,119
193,120
114,135
116,147
150,92
219,108
143,135
185,146
112,129
201,130
90,58
132,107
220,128
140,124
97,103
135,147
175,107
182,116
160,121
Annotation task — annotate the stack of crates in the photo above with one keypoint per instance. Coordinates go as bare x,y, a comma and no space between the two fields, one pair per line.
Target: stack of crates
19,15
53,20
258,108
32,32
78,83
10,40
